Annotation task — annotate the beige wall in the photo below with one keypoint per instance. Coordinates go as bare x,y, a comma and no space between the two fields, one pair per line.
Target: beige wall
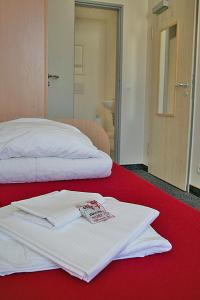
90,86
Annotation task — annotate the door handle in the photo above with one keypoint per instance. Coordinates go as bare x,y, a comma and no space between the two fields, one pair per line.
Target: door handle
184,85
53,76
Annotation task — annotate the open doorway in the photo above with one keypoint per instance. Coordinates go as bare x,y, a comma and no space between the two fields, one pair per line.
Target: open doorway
97,73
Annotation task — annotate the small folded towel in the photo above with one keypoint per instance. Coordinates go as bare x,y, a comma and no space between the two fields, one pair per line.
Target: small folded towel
55,209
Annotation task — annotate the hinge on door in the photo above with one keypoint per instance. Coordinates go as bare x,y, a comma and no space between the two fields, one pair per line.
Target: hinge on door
148,148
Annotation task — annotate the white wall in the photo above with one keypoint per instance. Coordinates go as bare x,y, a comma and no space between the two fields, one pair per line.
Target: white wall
134,74
61,57
195,177
133,80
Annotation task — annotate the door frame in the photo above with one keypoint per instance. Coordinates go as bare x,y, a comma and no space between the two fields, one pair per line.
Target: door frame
119,54
193,96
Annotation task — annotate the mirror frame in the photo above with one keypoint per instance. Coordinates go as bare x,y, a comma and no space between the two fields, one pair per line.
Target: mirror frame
165,114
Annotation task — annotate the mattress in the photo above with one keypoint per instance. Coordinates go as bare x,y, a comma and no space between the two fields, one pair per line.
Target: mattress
172,275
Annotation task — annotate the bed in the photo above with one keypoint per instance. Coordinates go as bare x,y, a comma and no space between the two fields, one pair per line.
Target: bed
172,275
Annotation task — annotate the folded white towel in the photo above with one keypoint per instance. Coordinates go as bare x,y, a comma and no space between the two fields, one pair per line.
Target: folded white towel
81,248
54,209
148,243
15,257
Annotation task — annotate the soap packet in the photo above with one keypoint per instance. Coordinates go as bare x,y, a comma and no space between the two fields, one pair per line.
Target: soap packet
94,212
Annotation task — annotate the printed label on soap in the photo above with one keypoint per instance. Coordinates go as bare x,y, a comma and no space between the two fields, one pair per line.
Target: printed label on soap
94,212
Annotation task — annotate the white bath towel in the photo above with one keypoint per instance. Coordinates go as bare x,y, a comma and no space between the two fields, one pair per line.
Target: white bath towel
54,209
81,248
15,257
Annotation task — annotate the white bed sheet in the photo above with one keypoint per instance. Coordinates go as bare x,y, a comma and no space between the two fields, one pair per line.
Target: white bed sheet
92,247
16,257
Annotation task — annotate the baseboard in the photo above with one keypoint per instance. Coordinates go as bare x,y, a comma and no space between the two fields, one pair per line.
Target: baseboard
194,190
136,167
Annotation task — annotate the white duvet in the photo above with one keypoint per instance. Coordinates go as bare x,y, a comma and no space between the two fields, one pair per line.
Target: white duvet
52,168
35,150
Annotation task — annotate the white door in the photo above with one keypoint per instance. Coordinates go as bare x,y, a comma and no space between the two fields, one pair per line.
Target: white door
171,96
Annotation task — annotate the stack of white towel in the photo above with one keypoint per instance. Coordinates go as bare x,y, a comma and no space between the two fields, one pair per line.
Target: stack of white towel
48,232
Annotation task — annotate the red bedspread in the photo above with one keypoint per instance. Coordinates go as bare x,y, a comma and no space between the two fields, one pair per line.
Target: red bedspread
170,276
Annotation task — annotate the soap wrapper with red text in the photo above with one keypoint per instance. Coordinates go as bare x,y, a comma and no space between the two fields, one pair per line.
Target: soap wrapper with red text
94,212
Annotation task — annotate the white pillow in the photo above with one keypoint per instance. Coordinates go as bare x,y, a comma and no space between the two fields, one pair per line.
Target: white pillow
29,137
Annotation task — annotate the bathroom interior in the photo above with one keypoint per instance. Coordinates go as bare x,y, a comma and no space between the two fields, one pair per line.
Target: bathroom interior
95,67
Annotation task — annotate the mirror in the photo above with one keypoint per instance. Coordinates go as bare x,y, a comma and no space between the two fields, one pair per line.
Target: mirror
167,70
